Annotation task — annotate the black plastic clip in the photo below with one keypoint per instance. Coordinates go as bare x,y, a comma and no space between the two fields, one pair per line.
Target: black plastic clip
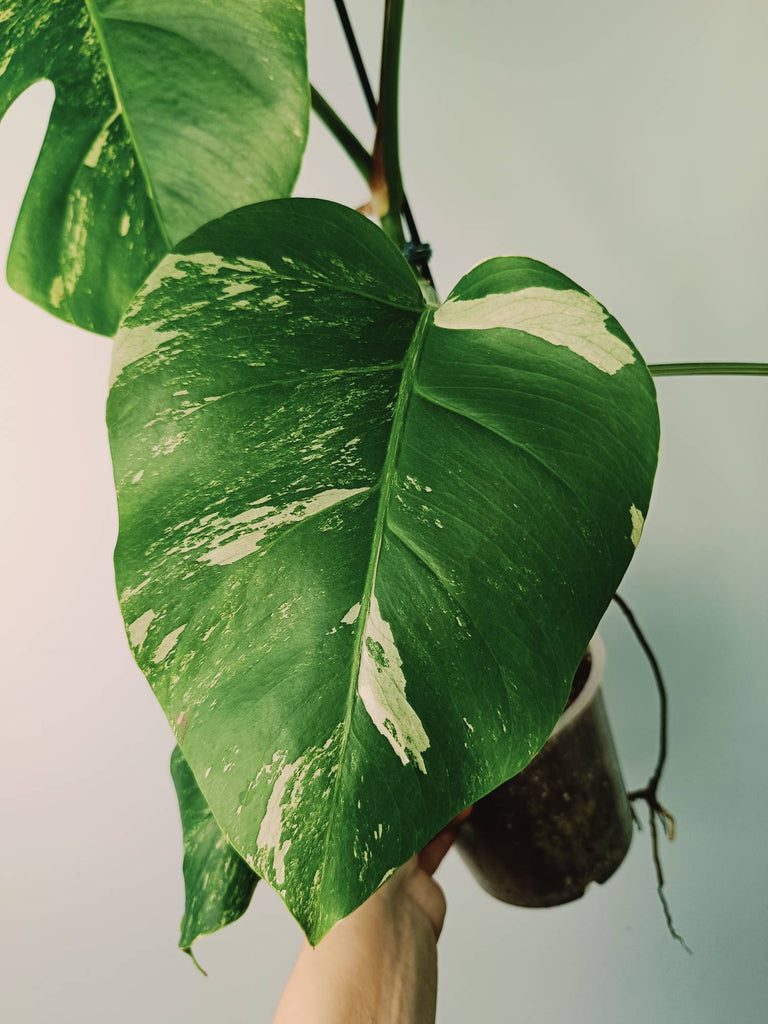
417,253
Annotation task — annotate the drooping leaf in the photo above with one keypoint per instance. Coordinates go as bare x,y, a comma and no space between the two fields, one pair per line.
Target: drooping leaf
168,113
218,883
364,542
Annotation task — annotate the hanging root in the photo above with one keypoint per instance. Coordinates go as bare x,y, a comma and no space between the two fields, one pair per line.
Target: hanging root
658,815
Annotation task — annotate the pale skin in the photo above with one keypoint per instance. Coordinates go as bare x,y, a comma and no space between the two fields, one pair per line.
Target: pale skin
379,965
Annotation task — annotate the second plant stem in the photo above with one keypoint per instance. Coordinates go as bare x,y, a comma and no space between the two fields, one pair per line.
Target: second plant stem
386,179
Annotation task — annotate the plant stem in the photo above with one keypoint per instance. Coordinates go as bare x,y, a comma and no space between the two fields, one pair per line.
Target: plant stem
707,369
386,179
421,263
346,138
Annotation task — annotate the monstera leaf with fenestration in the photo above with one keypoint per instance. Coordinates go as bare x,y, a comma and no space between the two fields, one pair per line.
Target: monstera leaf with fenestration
364,541
218,883
168,113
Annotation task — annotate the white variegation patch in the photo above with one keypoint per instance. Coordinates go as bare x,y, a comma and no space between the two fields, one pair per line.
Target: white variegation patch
231,542
271,830
135,343
638,521
568,318
238,275
57,291
130,592
236,288
212,264
168,643
283,822
352,614
79,216
178,266
94,153
138,629
381,686
168,445
169,269
5,62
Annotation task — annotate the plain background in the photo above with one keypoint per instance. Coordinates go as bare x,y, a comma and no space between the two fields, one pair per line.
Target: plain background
625,143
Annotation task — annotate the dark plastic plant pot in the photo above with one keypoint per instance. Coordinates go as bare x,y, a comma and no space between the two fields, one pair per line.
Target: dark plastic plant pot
565,821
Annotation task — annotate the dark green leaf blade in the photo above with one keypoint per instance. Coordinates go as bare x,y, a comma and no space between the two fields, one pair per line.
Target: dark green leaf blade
218,883
364,543
168,113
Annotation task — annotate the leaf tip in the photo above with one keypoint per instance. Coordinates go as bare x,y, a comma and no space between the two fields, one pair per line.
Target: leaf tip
193,958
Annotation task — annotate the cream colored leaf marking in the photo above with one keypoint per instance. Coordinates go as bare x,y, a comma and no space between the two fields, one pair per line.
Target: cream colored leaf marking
6,61
211,263
136,343
381,686
168,445
387,874
268,518
638,521
57,291
352,614
130,592
167,644
280,815
378,674
168,270
94,153
567,318
78,219
236,288
137,631
271,830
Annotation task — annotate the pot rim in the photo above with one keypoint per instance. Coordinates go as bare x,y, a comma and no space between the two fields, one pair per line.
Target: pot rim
589,692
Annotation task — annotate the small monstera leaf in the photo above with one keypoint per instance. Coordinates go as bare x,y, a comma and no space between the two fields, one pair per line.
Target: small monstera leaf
168,113
364,541
218,883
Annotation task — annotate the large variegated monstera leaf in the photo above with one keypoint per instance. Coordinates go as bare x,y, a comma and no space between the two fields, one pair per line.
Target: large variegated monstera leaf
364,541
168,113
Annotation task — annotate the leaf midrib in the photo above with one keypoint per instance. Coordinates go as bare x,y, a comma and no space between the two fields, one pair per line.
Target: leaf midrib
386,482
99,30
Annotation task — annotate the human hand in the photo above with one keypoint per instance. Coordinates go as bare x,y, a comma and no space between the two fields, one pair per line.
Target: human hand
379,965
414,882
